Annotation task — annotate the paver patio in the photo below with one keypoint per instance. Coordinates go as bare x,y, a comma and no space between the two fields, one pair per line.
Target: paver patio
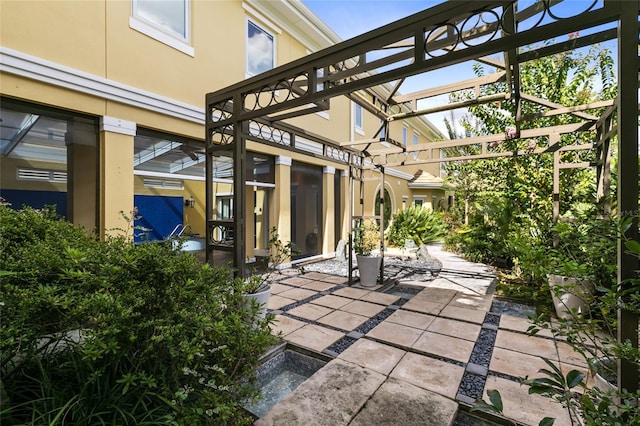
389,351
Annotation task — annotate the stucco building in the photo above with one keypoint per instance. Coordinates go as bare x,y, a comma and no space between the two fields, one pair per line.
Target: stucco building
102,112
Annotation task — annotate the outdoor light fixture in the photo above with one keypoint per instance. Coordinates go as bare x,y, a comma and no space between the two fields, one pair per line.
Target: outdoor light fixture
190,202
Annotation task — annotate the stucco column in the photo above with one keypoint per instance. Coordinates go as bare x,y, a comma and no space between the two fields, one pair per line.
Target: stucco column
82,183
328,211
116,175
282,198
347,203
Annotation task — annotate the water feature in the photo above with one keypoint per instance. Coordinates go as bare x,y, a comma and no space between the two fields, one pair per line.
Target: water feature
280,375
515,309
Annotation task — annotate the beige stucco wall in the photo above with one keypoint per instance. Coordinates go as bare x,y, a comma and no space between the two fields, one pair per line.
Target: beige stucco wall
95,37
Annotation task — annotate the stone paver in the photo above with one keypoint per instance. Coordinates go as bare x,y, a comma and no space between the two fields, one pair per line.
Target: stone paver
524,408
482,303
331,301
297,293
350,292
453,328
362,308
372,355
395,333
429,373
277,302
567,355
331,397
423,306
527,344
277,288
375,382
466,314
343,320
316,276
285,325
411,319
314,337
400,403
516,364
296,281
380,298
508,322
319,286
444,346
310,311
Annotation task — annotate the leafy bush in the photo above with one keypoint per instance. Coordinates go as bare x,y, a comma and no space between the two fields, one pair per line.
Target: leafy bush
422,225
116,333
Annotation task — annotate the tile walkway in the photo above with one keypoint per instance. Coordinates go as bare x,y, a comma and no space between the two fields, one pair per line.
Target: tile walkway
385,348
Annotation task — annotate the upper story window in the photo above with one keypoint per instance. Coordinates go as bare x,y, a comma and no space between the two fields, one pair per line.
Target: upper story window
404,136
261,49
358,118
167,21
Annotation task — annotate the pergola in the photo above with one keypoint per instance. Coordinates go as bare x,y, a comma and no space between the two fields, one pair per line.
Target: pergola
371,68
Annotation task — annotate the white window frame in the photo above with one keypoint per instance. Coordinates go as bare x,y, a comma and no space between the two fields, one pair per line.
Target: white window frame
264,29
415,142
405,132
163,34
358,127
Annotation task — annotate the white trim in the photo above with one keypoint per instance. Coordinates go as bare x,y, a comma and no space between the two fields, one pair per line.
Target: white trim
323,114
117,125
283,160
398,174
161,36
328,170
262,18
344,173
24,65
199,178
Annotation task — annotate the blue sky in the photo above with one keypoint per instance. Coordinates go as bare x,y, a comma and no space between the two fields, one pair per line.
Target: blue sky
354,17
350,18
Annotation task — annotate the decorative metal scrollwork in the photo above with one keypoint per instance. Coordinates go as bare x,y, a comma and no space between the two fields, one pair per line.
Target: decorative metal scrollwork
487,24
337,154
222,234
269,133
221,111
222,135
281,91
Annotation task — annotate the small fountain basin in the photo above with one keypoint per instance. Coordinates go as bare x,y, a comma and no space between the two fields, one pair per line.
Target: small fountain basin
280,375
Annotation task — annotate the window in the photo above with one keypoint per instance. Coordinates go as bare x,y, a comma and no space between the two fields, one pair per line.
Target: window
357,117
260,49
383,132
404,136
167,21
415,142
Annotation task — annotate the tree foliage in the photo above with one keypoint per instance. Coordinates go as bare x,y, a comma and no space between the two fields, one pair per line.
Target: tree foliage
511,197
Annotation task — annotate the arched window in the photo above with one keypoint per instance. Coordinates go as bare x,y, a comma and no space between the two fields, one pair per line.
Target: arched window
387,206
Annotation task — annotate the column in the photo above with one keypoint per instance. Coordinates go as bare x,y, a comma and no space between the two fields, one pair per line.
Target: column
347,203
328,211
82,181
116,175
282,198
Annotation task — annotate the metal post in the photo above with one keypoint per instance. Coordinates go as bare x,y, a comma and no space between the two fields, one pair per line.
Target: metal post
628,377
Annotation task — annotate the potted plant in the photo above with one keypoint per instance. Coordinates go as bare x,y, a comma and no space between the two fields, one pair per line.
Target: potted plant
366,240
257,287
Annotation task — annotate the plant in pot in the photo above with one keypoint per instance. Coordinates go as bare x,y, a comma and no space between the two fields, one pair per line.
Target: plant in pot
594,337
583,261
366,240
257,287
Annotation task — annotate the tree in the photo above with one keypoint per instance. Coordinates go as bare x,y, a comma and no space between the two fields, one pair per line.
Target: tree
515,192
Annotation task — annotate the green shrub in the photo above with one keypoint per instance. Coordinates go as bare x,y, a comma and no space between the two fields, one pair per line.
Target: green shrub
422,225
163,339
